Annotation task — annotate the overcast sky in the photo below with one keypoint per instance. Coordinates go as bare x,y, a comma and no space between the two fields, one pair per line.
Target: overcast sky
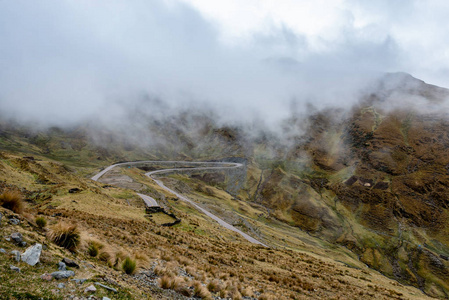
64,60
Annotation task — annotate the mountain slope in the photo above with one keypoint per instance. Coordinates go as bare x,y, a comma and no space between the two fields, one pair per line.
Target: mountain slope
366,185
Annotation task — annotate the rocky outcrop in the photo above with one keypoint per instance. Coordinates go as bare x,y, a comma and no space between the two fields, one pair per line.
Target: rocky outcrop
32,254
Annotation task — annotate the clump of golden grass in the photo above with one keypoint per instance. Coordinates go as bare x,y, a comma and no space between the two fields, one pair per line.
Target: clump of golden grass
92,250
184,291
129,265
165,282
214,286
172,266
174,283
191,270
94,247
266,297
65,235
140,255
184,260
170,269
232,290
41,222
106,255
247,292
12,200
201,291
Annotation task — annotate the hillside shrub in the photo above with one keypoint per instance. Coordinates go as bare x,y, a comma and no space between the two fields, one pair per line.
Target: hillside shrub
129,265
12,200
165,282
65,235
106,255
92,250
41,222
201,291
214,286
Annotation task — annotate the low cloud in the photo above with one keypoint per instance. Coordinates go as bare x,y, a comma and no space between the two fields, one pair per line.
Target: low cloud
63,62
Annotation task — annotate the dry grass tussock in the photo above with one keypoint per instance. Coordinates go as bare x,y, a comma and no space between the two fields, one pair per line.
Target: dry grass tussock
93,247
266,297
129,265
214,286
41,222
12,200
65,235
175,283
201,291
141,256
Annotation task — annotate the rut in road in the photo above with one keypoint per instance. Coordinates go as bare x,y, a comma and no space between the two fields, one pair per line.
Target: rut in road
215,166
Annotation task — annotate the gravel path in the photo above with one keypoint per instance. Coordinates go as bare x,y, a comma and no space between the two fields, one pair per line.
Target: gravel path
214,166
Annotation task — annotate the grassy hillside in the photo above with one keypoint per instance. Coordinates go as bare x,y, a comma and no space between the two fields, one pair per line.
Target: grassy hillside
345,189
195,257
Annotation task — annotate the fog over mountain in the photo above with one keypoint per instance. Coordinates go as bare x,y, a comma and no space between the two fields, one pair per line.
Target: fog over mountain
65,61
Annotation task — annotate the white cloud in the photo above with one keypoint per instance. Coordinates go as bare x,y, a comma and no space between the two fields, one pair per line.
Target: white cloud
64,60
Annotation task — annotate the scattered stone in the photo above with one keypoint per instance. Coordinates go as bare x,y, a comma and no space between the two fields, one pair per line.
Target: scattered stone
106,287
23,244
90,289
70,263
14,268
1,216
14,221
17,237
47,277
16,255
61,266
79,281
7,239
105,298
61,285
2,250
62,274
32,254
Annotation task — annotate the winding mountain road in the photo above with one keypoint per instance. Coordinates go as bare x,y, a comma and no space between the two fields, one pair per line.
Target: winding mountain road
214,166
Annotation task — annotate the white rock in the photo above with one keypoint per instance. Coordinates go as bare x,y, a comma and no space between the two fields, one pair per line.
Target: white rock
90,289
32,254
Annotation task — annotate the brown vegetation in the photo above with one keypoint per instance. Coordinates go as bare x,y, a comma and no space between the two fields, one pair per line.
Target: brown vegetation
12,200
65,235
